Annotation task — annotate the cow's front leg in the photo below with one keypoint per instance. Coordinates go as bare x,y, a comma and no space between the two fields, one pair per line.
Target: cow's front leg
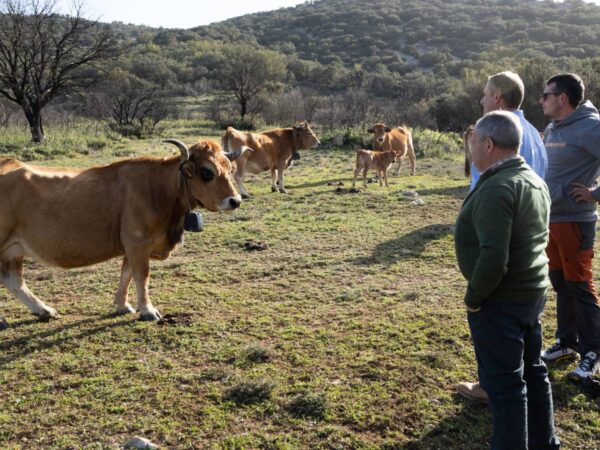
12,277
121,304
280,172
384,176
139,263
365,172
274,187
239,178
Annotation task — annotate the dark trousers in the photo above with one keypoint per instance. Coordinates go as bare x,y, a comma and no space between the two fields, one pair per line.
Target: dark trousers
571,250
508,341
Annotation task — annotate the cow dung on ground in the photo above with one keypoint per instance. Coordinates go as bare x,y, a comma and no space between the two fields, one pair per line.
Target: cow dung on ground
176,319
251,245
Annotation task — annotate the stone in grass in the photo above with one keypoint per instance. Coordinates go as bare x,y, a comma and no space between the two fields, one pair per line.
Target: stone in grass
139,443
308,405
250,391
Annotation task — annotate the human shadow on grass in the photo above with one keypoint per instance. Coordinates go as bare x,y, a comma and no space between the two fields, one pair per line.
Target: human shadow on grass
47,339
407,246
470,428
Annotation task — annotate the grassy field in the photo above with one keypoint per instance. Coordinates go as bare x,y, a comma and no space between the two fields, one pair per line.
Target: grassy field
347,332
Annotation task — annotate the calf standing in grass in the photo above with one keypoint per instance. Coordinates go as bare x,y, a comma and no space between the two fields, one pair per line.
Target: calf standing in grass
380,161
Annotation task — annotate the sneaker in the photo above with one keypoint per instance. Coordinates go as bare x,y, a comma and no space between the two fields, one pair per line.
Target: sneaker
472,391
587,367
591,386
557,352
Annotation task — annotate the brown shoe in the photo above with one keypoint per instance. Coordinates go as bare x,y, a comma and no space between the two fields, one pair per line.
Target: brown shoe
472,391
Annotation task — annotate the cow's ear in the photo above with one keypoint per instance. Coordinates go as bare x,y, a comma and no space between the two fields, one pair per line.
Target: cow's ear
188,169
370,130
388,129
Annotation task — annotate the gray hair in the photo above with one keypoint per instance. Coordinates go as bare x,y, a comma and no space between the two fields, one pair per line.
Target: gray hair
502,127
510,86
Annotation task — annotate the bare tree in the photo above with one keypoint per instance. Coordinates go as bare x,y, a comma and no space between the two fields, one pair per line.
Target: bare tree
248,72
130,105
44,54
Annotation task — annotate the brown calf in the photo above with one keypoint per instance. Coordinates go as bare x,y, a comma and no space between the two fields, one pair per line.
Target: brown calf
379,161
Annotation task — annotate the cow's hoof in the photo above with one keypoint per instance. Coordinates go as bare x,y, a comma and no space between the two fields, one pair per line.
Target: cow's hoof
3,324
283,191
125,309
46,314
151,316
274,189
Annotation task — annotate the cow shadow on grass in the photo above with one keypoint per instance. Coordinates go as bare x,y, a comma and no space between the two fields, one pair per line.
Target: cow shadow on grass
409,245
14,349
470,428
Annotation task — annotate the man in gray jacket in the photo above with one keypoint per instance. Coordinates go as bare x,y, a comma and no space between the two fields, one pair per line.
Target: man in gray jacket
572,142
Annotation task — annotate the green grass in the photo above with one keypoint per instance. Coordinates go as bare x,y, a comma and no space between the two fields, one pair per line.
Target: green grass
347,332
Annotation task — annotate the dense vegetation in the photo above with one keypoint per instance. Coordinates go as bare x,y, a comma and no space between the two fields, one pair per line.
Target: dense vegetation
346,63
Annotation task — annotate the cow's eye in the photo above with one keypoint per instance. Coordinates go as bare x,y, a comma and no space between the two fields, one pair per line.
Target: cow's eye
206,174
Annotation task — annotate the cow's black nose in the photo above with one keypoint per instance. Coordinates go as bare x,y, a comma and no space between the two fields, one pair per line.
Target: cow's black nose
234,202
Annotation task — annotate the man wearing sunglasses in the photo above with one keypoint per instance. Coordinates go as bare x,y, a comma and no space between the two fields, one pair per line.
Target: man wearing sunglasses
572,140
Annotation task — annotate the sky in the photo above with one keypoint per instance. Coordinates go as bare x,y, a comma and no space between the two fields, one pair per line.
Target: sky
173,13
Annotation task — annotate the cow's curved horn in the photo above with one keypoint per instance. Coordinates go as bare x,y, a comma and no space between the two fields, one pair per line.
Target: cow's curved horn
185,153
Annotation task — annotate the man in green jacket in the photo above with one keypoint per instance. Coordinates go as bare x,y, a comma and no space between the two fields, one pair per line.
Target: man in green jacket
501,236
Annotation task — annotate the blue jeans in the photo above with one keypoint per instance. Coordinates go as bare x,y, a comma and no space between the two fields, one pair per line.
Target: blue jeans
508,341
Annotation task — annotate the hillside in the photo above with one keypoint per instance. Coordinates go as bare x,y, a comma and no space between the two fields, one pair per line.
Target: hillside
409,34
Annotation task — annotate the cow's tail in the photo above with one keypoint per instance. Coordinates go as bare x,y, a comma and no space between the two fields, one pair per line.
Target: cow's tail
467,149
225,139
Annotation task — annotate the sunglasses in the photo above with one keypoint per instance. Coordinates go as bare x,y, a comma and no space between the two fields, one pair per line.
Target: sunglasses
545,95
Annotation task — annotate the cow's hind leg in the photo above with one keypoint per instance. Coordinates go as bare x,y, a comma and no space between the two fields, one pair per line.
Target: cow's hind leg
274,187
12,277
121,304
399,168
356,172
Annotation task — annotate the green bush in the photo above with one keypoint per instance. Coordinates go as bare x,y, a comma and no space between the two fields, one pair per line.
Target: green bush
435,144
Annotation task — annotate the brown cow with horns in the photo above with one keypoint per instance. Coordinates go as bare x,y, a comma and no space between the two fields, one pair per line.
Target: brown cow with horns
398,139
133,208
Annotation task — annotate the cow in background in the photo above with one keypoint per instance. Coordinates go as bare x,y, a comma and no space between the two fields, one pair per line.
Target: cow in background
379,161
398,139
271,150
133,208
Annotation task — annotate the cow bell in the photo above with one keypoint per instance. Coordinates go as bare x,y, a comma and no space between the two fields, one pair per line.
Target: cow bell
193,222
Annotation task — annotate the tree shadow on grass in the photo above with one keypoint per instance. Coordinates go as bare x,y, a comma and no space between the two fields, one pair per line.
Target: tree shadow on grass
469,429
22,346
410,245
